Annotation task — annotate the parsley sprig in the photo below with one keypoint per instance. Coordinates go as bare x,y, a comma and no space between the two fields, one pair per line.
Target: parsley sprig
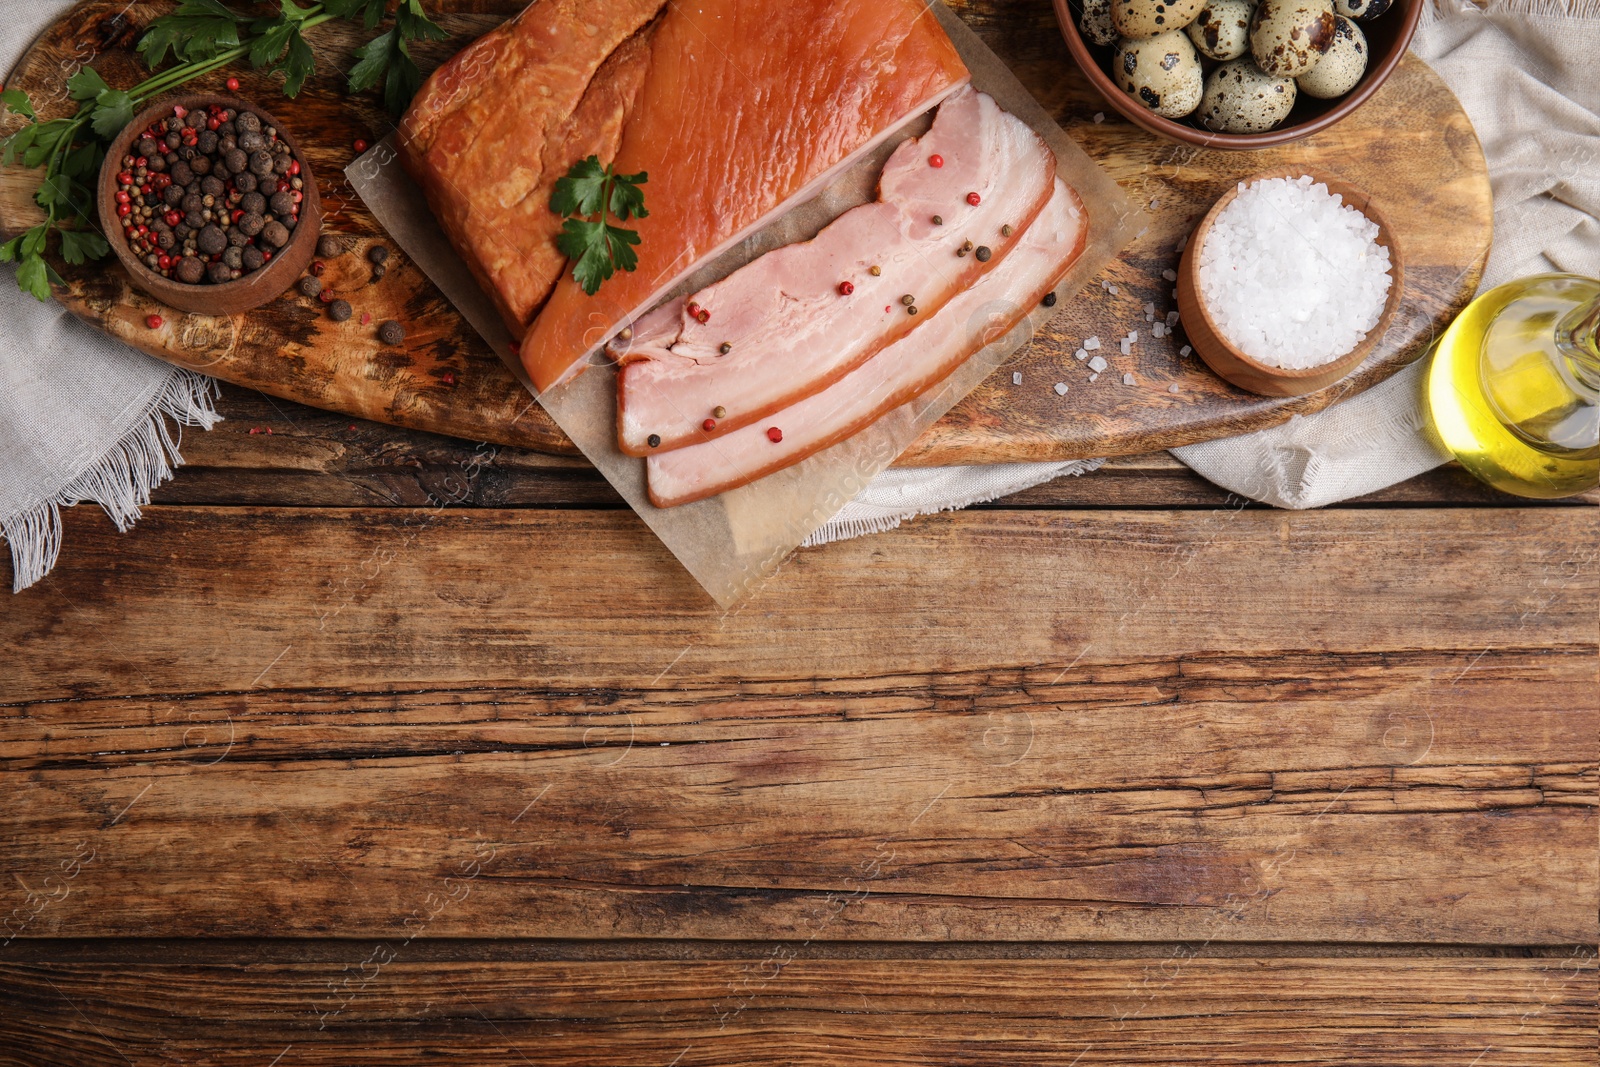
598,249
201,36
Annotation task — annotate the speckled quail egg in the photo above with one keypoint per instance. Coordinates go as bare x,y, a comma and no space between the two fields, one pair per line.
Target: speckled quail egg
1241,98
1095,24
1339,70
1222,29
1137,19
1363,10
1161,72
1289,37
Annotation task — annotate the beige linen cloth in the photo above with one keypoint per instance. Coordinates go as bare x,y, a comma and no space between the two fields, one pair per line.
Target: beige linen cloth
83,417
1528,75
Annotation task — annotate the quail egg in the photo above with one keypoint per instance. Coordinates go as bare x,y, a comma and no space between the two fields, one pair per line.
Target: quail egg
1222,29
1095,25
1161,72
1339,70
1364,10
1137,19
1241,98
1289,37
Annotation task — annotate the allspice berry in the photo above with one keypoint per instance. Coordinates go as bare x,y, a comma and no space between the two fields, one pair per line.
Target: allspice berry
310,286
391,333
212,240
377,254
191,270
275,234
330,246
340,310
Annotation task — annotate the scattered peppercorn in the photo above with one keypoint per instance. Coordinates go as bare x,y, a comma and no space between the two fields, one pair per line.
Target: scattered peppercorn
327,296
654,440
774,434
709,425
725,347
378,272
448,377
961,253
311,286
719,412
1005,231
233,85
1049,300
938,220
330,246
391,333
360,146
974,199
626,334
908,300
340,310
982,253
912,310
155,322
875,270
366,318
846,288
702,316
377,254
935,161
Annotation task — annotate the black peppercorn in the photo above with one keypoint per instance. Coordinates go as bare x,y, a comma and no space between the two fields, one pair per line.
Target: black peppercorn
339,310
377,254
330,246
654,440
982,253
378,272
190,270
391,333
311,286
1049,300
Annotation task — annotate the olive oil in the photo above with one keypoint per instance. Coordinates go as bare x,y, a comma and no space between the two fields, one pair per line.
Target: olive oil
1514,387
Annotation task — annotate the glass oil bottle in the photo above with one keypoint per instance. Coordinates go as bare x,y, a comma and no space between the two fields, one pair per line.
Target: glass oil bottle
1514,387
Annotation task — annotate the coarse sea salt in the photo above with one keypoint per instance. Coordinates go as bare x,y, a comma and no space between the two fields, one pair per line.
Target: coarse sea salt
1061,389
1097,364
1092,343
1081,355
1292,275
1127,379
1016,377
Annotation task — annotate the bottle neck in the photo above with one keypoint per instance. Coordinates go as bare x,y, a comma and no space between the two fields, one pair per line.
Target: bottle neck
1578,338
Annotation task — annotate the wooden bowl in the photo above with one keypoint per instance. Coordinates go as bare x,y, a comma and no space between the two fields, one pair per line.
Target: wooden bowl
250,291
1233,365
1388,37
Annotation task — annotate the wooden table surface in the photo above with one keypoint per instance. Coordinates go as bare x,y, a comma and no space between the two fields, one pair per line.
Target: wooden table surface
366,744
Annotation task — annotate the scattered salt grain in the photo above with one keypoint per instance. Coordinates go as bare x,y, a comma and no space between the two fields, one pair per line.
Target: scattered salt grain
1172,319
1081,355
1170,275
1111,289
1133,337
1182,241
1016,377
1172,388
1127,379
1099,116
1092,377
1292,275
1061,389
1098,364
1158,330
1127,348
1149,312
1185,350
1092,343
1154,204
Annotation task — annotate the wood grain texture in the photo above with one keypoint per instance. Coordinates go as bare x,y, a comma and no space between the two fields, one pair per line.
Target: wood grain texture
1411,146
777,1009
274,452
1011,725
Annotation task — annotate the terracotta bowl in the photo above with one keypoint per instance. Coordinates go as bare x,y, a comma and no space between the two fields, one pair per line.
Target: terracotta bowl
1388,37
1247,373
250,291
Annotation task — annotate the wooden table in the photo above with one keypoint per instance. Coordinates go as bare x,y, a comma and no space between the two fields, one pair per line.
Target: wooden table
366,744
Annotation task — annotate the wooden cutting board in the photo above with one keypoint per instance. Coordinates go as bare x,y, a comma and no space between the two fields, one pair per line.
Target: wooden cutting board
1411,146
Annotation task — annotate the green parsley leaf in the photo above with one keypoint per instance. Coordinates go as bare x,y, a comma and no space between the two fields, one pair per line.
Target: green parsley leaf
373,60
86,84
11,249
581,190
80,245
33,240
197,30
414,24
16,101
17,144
113,109
83,160
33,277
298,65
598,249
370,12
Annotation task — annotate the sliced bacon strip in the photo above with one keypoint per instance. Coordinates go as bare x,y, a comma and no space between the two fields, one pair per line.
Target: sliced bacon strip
782,327
899,373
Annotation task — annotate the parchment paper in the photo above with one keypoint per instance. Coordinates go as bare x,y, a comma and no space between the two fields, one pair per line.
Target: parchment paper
733,542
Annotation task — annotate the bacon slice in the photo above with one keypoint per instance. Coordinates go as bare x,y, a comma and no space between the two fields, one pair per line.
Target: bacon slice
749,107
899,373
789,329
